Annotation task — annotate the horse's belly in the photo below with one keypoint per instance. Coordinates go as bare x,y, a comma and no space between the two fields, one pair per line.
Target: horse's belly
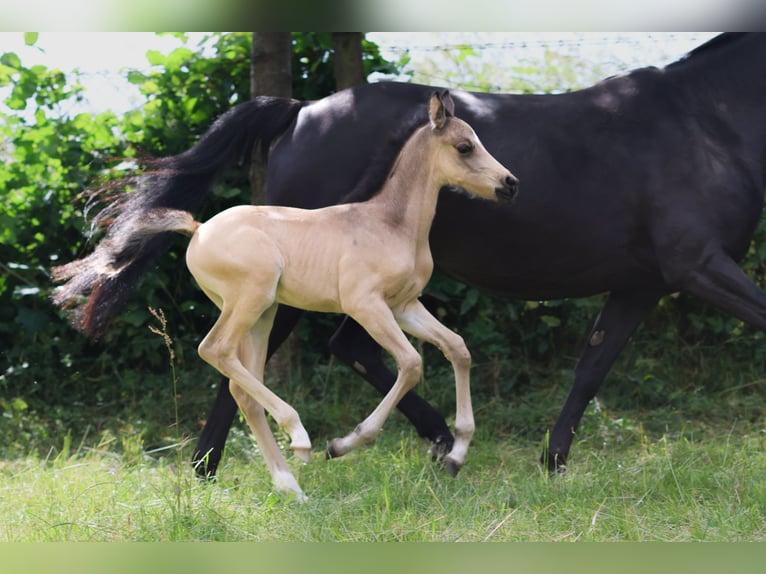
316,290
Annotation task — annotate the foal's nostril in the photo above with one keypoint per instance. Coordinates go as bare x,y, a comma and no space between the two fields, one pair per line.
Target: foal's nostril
509,189
512,184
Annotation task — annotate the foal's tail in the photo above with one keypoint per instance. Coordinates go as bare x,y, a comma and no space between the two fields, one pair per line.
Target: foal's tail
97,286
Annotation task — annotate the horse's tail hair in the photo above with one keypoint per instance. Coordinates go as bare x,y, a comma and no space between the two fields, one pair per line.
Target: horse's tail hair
158,221
98,285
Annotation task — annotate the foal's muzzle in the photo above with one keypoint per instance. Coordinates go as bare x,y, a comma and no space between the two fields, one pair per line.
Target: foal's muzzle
509,190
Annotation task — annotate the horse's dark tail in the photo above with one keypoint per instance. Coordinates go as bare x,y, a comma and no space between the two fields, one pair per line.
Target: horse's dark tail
98,285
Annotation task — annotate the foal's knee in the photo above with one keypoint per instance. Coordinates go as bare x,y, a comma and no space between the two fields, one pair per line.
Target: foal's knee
458,354
411,369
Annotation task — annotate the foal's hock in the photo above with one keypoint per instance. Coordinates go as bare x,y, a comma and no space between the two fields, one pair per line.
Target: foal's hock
369,260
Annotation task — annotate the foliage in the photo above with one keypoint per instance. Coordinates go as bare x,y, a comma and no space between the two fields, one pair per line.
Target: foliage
49,157
461,66
313,64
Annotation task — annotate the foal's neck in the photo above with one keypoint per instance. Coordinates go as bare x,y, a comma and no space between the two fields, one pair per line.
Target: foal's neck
408,198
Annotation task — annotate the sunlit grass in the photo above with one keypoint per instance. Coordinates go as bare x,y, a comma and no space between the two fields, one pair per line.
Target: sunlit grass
652,489
687,467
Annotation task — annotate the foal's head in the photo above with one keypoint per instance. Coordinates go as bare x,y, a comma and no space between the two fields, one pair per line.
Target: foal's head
461,160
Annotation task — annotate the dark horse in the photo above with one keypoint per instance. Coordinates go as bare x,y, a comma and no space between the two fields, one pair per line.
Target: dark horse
644,184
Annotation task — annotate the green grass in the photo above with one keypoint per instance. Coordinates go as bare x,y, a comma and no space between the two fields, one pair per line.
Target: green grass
673,450
622,485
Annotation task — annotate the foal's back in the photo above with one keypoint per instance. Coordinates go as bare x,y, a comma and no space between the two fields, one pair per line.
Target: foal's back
302,258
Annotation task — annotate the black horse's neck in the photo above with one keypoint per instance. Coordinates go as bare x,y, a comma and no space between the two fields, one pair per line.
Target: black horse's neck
724,82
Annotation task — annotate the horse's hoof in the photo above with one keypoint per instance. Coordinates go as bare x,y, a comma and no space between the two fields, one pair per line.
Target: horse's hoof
303,453
556,464
452,467
205,465
441,447
558,470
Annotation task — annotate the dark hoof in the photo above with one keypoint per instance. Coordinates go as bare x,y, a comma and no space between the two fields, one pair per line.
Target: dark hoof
558,470
441,447
204,467
206,478
452,467
556,463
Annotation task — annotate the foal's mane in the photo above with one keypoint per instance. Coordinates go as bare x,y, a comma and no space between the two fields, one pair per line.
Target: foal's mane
380,165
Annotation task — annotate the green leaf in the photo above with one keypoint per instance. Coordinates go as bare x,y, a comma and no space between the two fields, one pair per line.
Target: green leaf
155,57
11,60
136,77
30,38
177,58
32,320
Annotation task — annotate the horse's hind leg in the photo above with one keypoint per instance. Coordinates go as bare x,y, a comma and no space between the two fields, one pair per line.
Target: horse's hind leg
416,320
221,348
722,283
207,453
354,346
253,355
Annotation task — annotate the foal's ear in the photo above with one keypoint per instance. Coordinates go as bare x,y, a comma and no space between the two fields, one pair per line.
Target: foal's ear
449,105
437,112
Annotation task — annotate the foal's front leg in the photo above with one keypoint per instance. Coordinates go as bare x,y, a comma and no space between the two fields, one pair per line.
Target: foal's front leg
416,320
378,320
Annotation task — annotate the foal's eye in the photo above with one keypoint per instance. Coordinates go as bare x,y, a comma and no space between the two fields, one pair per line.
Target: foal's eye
464,148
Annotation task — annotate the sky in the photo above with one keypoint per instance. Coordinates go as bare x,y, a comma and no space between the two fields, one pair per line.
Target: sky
103,57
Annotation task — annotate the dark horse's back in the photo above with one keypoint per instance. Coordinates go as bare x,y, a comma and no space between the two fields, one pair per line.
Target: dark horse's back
608,176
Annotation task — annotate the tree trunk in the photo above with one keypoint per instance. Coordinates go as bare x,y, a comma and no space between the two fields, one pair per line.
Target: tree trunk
270,64
349,68
270,75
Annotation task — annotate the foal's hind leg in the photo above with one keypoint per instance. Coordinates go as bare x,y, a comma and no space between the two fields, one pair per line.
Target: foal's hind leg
207,453
221,348
253,355
416,320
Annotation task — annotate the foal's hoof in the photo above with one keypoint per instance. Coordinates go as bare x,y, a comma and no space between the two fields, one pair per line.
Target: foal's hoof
332,451
452,467
441,446
303,453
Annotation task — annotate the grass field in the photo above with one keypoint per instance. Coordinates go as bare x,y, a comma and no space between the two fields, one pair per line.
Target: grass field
624,485
672,451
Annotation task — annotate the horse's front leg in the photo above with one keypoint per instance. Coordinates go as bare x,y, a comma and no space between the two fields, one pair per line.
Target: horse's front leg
352,345
618,319
378,320
416,320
